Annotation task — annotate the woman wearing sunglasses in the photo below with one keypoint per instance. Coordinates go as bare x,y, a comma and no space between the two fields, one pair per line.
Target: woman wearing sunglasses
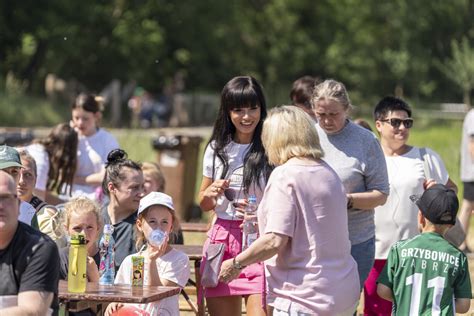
410,171
355,154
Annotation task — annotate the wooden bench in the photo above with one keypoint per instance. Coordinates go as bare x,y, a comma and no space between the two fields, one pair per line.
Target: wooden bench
195,227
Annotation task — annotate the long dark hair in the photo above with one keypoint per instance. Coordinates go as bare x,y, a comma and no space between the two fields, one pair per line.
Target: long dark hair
116,161
241,92
61,146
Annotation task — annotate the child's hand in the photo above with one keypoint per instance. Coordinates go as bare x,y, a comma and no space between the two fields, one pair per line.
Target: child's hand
92,271
112,308
152,253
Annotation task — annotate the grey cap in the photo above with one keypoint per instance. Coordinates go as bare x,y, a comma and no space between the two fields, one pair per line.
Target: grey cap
9,157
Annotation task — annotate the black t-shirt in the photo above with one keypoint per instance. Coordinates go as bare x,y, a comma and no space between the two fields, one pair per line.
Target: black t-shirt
124,236
64,262
30,263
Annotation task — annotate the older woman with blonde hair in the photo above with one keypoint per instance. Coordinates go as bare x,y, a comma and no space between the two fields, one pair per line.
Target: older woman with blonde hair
356,156
304,238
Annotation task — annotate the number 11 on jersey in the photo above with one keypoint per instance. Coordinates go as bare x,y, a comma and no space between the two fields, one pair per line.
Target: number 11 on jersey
416,281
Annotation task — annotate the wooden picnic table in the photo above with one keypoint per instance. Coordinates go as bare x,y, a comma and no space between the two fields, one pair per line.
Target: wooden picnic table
96,295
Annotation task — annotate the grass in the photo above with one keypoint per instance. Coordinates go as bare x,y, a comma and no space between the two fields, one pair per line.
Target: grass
444,137
18,110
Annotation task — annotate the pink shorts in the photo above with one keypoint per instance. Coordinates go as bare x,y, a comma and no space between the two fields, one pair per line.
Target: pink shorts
374,304
251,279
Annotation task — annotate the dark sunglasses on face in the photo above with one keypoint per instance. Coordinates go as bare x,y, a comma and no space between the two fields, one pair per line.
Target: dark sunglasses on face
396,122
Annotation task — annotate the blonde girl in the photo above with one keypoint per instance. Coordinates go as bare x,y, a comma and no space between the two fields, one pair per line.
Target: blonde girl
81,215
153,176
163,265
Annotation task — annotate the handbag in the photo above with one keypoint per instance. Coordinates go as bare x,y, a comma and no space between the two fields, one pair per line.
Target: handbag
212,265
455,234
214,256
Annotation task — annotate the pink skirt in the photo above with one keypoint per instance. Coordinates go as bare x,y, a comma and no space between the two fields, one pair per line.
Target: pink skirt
251,279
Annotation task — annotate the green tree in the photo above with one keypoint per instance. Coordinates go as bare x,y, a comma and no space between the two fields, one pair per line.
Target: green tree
460,67
374,47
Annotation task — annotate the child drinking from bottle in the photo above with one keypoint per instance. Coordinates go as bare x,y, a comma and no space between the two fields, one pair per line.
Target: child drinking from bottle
82,216
163,265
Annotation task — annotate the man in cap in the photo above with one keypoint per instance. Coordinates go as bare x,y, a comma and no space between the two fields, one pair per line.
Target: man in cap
424,273
10,162
29,261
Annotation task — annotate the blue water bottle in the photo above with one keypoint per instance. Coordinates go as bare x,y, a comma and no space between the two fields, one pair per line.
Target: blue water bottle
107,256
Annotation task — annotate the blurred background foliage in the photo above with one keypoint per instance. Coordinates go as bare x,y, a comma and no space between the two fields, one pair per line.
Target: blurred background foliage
422,50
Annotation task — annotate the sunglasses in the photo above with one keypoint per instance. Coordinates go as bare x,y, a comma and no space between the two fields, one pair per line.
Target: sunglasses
396,122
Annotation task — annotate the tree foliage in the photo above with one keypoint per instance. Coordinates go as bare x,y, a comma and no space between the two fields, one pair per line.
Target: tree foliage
375,47
460,67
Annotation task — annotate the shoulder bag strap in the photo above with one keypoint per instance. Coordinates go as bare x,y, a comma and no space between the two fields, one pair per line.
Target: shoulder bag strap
423,156
37,203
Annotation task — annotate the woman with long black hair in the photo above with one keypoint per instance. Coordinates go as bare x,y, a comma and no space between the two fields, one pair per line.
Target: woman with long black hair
234,167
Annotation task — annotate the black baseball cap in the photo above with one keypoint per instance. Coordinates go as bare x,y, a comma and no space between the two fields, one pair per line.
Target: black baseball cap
438,204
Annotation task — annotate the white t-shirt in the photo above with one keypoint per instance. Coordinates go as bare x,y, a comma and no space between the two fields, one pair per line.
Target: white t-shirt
467,163
27,211
92,154
397,218
38,152
172,266
236,154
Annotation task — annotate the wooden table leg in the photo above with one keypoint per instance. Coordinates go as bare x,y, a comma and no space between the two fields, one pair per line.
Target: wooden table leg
100,309
200,298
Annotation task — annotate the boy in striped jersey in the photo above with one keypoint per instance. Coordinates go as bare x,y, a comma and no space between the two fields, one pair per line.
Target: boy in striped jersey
426,275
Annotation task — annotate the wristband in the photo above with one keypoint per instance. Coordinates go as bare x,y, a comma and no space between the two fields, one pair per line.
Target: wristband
236,265
350,201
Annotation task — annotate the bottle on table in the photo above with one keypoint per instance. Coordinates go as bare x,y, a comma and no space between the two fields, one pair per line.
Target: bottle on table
250,229
77,278
107,256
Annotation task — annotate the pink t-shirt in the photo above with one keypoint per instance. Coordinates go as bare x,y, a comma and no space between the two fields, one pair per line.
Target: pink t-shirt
315,272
